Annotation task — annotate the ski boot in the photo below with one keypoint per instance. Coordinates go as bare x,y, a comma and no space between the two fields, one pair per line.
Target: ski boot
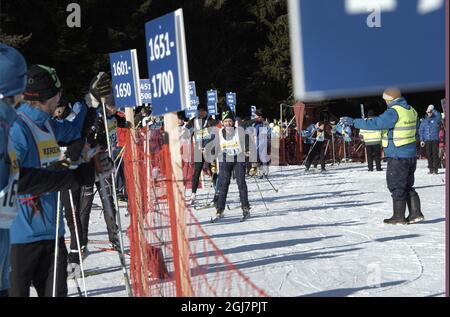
399,213
245,213
73,271
415,213
219,215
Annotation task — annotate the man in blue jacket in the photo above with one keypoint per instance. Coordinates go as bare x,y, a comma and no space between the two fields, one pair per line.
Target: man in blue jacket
13,79
429,137
399,126
35,136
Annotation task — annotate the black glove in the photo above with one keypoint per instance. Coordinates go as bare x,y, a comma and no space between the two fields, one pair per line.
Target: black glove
85,174
100,86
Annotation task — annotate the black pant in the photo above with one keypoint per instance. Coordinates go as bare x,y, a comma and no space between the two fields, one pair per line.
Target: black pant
198,167
374,153
317,152
432,149
68,213
226,169
400,177
34,263
87,197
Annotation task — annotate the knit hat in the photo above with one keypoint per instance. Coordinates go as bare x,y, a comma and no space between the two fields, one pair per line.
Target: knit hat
259,113
430,108
227,113
202,106
13,72
42,84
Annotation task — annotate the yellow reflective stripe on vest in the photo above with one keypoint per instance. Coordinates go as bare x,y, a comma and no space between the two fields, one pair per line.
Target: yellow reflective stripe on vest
371,136
405,129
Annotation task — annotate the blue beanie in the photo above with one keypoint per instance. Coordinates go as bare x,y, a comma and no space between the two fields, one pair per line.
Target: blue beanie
13,72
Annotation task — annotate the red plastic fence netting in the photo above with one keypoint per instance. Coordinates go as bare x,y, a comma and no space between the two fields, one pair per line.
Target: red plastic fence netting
170,256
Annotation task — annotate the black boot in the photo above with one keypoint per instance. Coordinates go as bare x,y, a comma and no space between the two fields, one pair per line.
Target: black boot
398,218
415,213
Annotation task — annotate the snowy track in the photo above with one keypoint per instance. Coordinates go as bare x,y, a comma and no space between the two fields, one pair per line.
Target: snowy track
324,236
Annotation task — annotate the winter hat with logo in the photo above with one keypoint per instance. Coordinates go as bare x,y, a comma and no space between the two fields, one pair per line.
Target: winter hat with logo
227,113
42,84
13,72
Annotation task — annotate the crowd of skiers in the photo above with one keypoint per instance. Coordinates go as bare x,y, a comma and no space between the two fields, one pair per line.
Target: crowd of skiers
51,150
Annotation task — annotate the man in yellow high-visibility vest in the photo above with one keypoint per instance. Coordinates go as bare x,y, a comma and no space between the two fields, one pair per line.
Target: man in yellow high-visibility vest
399,125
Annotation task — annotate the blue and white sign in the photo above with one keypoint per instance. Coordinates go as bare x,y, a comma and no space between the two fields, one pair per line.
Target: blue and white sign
345,48
190,113
192,89
231,101
211,96
125,78
146,91
167,63
253,110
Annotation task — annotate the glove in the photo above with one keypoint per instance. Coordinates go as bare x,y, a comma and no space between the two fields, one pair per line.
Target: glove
422,144
253,171
213,168
100,86
85,174
347,121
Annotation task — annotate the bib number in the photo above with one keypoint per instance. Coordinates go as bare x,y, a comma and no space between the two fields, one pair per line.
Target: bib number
9,198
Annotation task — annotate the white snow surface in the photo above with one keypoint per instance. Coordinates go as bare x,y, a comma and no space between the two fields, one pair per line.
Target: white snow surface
322,236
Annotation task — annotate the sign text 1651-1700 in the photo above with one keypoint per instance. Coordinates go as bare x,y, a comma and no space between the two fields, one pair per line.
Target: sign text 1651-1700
160,48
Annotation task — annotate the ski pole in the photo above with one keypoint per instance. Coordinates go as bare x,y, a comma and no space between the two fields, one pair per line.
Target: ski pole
72,205
119,222
260,192
78,286
55,264
274,188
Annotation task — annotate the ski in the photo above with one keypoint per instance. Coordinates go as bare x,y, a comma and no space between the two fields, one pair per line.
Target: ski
245,217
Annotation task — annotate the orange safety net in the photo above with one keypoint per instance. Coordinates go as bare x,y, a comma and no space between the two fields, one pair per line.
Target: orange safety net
170,256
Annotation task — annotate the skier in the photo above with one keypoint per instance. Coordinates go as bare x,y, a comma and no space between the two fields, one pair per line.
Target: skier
233,148
35,135
399,126
200,128
101,88
315,135
372,140
429,138
262,142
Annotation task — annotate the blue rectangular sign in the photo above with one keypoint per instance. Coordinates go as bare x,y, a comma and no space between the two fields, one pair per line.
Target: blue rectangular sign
212,109
125,78
190,113
231,101
211,97
195,101
345,48
146,91
192,89
167,65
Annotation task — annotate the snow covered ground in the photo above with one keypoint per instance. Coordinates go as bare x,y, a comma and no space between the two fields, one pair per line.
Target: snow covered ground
323,236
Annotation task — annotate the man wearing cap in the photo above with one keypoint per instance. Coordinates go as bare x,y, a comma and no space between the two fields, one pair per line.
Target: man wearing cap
233,147
372,140
399,126
200,128
429,137
13,80
35,135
